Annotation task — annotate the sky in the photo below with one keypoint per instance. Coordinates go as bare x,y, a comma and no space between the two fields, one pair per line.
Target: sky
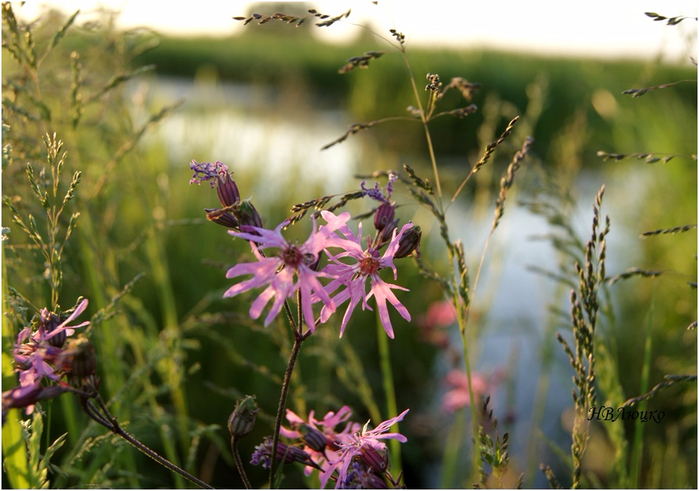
597,28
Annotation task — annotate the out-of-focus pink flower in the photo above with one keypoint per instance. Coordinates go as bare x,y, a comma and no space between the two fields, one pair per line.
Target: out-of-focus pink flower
459,396
435,321
439,314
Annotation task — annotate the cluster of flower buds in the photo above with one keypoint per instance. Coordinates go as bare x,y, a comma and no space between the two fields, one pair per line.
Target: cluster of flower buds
386,223
234,213
44,353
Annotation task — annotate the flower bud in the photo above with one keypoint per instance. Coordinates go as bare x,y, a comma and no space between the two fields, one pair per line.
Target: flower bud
313,437
51,321
222,217
385,214
82,356
242,420
375,459
248,215
292,454
227,190
285,453
409,242
78,360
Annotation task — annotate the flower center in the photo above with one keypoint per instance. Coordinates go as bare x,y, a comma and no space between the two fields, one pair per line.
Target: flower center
369,264
292,257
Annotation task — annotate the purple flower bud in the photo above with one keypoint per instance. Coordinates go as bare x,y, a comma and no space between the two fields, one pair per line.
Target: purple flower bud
409,242
385,215
374,458
313,437
285,453
222,217
50,321
227,191
248,215
242,420
386,235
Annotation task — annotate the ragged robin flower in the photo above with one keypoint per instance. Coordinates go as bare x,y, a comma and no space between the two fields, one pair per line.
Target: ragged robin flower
320,437
353,276
37,356
365,445
291,269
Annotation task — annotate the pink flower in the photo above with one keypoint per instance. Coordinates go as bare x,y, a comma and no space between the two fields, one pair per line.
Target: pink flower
277,272
434,323
36,354
353,276
366,443
326,427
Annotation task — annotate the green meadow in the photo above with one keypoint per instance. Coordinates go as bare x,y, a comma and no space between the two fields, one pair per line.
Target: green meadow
108,214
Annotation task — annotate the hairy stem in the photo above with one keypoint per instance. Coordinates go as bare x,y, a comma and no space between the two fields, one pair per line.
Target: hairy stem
298,341
239,462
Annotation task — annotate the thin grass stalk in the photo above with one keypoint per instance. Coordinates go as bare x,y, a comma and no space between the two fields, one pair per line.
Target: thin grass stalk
155,252
358,381
637,444
452,449
389,392
424,120
450,252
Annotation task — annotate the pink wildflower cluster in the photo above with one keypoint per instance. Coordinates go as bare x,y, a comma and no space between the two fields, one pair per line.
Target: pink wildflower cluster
352,456
284,269
40,356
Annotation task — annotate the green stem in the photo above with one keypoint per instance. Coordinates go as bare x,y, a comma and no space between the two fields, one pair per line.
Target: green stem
637,448
298,341
390,392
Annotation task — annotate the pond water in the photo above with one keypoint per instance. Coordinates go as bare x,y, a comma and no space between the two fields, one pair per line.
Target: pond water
247,128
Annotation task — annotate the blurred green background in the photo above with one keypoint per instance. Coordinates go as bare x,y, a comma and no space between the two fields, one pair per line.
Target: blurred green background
174,355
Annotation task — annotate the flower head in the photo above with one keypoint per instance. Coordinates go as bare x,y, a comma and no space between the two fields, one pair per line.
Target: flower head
353,276
321,438
365,445
290,270
39,355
